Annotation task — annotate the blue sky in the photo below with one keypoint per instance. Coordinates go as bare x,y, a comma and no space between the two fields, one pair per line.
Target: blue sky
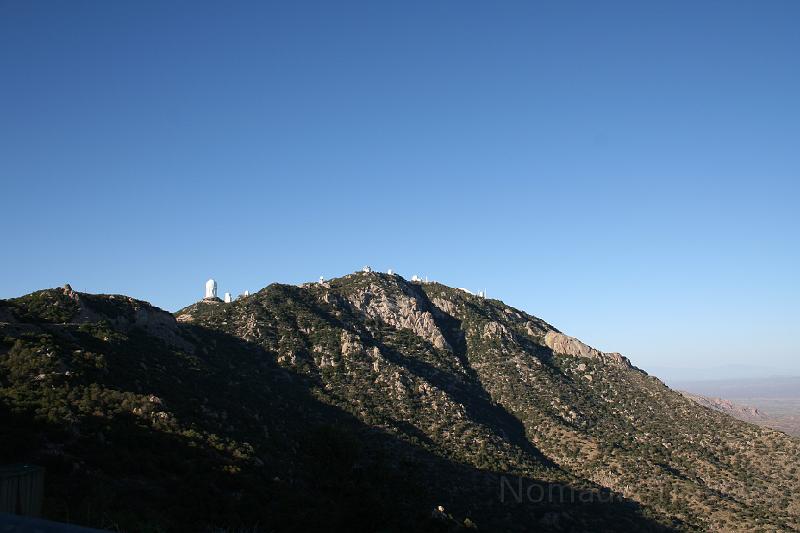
627,171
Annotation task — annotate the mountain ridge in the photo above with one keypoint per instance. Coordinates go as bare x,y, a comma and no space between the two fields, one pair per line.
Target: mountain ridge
464,386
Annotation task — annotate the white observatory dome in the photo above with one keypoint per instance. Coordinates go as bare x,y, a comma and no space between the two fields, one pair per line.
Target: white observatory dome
211,289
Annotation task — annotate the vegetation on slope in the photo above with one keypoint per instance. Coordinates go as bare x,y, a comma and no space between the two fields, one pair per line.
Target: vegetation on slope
364,403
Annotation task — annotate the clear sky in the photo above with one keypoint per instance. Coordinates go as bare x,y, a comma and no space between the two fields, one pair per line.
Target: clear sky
628,171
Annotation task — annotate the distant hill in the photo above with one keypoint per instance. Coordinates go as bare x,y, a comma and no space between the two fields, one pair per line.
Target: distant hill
742,412
365,403
776,399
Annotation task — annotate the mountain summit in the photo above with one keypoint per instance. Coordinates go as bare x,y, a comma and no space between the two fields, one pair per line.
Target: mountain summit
366,403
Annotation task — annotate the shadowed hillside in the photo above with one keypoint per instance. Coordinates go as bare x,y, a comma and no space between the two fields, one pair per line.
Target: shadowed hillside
365,403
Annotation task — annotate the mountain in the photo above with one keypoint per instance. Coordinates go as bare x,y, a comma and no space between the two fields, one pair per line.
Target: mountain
365,403
742,412
773,402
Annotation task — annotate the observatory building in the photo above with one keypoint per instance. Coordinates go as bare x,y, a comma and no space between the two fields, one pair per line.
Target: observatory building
211,290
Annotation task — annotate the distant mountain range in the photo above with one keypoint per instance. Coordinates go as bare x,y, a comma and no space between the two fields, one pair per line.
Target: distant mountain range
365,403
771,402
733,372
767,387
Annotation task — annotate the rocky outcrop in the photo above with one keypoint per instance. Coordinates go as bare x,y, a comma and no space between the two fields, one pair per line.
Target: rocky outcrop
445,306
496,330
250,329
565,345
350,345
400,307
742,412
125,313
156,322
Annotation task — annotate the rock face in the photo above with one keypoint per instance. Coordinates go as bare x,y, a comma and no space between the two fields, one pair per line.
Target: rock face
403,307
742,412
158,323
562,344
68,306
